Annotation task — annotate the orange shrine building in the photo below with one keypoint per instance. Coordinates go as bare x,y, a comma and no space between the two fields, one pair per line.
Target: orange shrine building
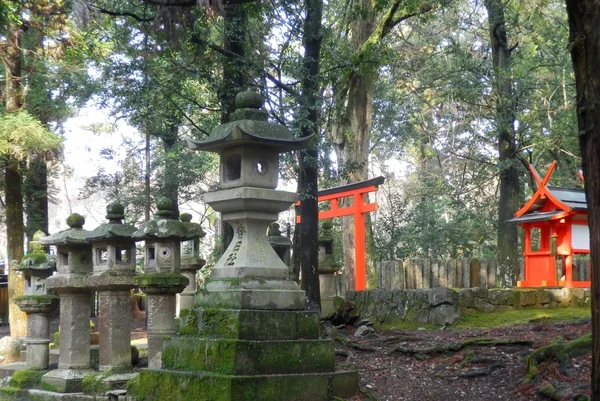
555,221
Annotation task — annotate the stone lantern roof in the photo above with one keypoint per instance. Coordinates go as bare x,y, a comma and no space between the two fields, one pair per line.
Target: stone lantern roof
194,228
164,227
250,126
37,259
74,235
114,229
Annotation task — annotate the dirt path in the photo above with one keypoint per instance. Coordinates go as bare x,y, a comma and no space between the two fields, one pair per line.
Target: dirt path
462,364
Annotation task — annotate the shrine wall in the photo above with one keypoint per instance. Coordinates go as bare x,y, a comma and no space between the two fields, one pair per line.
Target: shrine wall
452,273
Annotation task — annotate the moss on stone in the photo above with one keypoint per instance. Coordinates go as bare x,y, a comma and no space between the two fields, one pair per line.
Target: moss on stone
48,387
184,386
240,357
160,280
94,384
38,299
27,378
188,323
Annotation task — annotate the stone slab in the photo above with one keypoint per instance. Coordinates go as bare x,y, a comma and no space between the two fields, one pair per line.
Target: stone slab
43,395
240,357
8,369
66,380
159,385
253,299
257,325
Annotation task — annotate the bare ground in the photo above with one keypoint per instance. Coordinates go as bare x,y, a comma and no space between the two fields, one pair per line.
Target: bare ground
462,364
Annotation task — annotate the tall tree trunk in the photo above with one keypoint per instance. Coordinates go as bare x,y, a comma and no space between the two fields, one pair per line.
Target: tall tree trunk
234,77
307,181
36,196
353,149
148,171
510,186
170,187
12,183
584,20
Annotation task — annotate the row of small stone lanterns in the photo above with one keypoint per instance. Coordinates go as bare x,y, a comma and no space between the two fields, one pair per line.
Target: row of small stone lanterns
103,260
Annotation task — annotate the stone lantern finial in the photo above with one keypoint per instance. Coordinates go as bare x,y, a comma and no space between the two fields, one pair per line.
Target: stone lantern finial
164,208
75,221
115,213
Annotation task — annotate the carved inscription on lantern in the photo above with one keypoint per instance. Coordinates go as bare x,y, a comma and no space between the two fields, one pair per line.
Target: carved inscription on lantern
240,231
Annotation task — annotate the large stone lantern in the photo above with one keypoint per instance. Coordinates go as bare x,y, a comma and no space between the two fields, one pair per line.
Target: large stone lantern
113,277
250,275
162,281
74,264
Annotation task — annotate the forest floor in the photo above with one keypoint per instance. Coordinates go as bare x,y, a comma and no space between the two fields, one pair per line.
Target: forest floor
475,364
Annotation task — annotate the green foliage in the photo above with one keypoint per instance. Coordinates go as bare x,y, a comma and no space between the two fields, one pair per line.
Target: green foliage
21,133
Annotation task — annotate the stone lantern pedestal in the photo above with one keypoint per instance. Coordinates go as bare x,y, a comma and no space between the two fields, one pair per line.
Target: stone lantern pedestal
113,251
162,280
74,264
160,290
38,309
250,337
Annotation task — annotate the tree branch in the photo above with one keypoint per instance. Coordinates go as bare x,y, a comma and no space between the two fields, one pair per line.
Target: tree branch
122,14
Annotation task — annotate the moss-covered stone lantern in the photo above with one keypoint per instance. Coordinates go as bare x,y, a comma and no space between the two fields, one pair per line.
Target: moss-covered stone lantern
250,337
113,279
250,274
191,261
74,264
37,303
329,280
37,266
162,280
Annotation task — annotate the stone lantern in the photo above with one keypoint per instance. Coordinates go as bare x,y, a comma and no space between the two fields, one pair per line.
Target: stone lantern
250,337
280,243
37,303
161,282
37,266
191,261
113,251
74,264
329,280
250,275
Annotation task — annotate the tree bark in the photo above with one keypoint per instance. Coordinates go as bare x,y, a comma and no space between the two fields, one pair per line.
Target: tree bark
234,77
357,118
36,196
584,20
170,186
307,181
12,183
510,185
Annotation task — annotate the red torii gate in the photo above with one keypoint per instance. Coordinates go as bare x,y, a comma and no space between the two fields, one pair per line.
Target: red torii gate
358,208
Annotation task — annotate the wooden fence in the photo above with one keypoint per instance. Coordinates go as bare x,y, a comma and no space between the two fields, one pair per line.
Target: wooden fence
453,273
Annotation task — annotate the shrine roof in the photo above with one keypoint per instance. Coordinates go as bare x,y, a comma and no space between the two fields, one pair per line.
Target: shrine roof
572,197
535,216
552,199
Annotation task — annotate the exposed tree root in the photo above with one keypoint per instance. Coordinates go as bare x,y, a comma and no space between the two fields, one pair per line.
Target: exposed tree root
457,346
557,350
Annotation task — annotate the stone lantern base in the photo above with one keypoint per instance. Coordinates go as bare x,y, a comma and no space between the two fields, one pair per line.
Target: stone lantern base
241,355
38,309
